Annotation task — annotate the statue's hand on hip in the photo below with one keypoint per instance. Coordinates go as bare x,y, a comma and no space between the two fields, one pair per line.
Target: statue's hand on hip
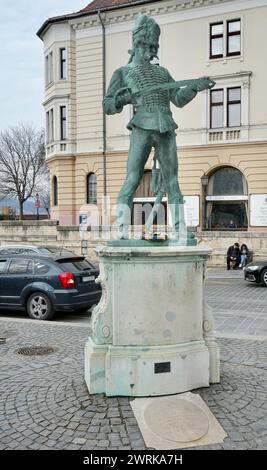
204,83
123,96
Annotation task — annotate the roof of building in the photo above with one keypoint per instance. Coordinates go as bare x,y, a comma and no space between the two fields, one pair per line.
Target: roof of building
92,8
97,5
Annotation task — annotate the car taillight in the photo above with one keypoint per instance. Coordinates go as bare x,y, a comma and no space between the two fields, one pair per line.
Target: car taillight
67,280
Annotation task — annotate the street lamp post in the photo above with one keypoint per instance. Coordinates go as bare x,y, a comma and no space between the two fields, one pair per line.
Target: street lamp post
204,182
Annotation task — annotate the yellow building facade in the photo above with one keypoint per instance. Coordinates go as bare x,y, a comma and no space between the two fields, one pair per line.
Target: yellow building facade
222,135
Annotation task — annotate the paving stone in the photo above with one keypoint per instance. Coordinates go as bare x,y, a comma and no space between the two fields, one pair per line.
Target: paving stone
53,409
103,444
114,421
79,441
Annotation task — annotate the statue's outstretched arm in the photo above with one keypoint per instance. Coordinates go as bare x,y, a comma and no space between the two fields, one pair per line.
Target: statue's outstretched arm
181,96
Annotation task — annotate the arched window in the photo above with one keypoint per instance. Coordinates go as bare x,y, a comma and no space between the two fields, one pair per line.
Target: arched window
226,200
91,189
55,191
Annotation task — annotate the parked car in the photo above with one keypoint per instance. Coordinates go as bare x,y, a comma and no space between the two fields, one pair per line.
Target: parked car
42,249
43,285
256,272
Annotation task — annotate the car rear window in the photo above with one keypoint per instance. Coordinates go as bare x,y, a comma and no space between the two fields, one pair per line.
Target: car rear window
16,251
78,264
41,268
47,250
21,266
9,251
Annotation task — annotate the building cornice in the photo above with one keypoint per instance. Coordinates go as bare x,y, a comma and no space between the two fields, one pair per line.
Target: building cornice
169,11
122,15
250,143
56,98
127,12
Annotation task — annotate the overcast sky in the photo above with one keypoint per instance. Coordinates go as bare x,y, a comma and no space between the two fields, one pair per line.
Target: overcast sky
21,57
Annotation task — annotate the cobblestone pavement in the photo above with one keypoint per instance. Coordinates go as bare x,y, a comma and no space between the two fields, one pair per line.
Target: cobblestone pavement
239,306
44,402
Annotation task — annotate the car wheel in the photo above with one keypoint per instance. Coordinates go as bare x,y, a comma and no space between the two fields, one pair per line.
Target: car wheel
264,277
39,307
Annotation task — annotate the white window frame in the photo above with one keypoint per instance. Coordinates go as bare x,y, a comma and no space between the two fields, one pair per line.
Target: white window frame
49,68
241,80
50,126
225,106
232,81
61,105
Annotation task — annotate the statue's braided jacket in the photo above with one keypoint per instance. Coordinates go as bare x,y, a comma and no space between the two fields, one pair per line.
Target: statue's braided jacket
152,109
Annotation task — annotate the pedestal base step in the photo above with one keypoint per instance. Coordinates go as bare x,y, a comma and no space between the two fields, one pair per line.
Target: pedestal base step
146,371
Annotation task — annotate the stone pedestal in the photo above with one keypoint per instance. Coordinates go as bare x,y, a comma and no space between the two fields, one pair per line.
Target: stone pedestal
151,331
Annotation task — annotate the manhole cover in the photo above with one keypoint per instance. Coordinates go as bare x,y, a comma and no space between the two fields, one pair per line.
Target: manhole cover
36,351
176,420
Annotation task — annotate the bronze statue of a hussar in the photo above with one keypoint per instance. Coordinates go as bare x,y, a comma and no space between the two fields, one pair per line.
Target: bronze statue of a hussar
150,89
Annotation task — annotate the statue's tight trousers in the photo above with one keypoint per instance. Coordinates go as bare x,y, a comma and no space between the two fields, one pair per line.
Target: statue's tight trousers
142,142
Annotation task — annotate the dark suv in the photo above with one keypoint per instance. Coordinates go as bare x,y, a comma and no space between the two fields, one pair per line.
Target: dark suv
42,284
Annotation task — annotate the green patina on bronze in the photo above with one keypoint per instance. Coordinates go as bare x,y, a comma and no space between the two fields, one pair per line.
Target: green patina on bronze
150,89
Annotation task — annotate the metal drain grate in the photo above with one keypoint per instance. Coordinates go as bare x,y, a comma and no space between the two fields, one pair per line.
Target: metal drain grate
2,341
36,351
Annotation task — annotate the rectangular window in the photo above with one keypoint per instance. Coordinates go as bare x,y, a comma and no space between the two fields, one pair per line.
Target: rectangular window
63,63
49,68
234,107
63,123
225,108
51,75
50,126
3,264
225,39
233,37
216,108
47,127
20,266
216,40
46,69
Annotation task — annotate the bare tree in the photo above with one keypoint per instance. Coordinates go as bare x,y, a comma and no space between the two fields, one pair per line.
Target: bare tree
44,190
22,162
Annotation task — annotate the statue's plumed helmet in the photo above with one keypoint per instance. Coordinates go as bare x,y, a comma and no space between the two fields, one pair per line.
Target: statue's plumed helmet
145,30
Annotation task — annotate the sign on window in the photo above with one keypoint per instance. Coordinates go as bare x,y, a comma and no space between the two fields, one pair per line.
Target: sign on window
191,211
258,210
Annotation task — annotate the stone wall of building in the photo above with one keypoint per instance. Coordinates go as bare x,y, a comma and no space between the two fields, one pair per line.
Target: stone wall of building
202,150
51,234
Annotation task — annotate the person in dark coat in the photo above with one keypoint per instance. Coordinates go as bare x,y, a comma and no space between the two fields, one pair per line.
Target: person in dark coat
233,255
